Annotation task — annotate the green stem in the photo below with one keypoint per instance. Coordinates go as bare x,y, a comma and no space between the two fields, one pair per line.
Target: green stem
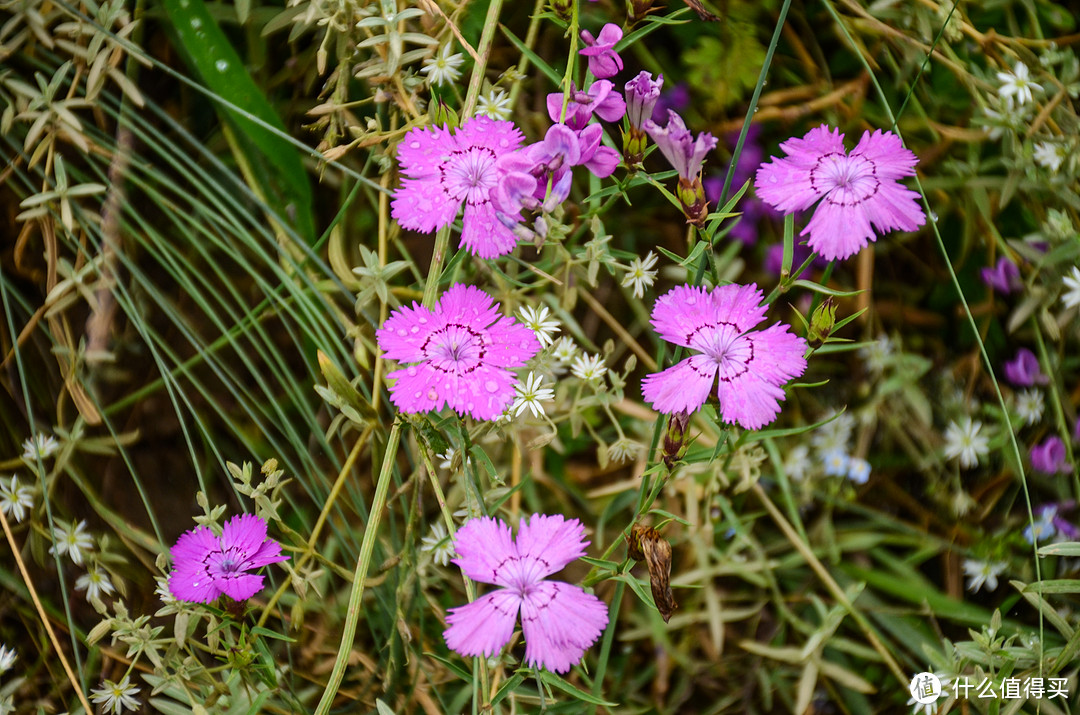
483,51
363,565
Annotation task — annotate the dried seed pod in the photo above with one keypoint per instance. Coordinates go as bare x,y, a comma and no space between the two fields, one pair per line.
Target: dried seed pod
646,544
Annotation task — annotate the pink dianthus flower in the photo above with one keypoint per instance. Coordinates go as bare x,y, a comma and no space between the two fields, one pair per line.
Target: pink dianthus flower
751,365
462,349
206,566
559,620
445,170
859,192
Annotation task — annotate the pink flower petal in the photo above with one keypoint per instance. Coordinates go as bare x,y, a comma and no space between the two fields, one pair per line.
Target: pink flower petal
683,387
418,388
406,330
559,622
484,626
238,585
483,545
483,234
751,395
546,544
243,532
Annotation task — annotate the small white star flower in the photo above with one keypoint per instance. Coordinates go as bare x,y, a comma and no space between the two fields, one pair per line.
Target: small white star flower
836,463
116,697
530,395
540,322
15,499
1016,86
858,470
40,446
963,441
438,543
1071,297
639,276
797,462
1030,405
588,367
983,573
7,658
443,67
71,540
1049,155
448,458
95,582
495,104
564,349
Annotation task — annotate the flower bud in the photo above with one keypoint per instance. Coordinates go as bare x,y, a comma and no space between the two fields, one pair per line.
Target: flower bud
822,322
675,442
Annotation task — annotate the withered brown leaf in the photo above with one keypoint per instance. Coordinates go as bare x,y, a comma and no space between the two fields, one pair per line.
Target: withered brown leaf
646,544
699,8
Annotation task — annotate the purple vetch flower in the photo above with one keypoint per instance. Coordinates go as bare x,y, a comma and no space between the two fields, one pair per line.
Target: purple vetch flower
601,99
604,61
1024,371
462,349
1048,457
751,365
207,566
858,192
1003,278
559,621
444,170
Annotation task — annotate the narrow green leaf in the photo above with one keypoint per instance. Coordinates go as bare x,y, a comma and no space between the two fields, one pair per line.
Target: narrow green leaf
556,681
274,161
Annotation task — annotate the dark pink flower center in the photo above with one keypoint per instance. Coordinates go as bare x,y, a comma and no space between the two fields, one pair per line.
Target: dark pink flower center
469,175
845,180
455,348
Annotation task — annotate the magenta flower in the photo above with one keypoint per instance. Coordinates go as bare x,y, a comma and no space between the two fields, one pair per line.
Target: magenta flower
462,349
445,170
1023,370
1049,456
751,365
859,192
1004,277
604,61
559,620
207,566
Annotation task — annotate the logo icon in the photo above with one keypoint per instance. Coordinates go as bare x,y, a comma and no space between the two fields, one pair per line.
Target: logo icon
925,688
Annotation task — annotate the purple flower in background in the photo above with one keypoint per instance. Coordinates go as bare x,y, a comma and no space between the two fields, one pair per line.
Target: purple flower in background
858,192
751,365
206,566
604,61
462,349
1049,456
559,620
676,98
1023,370
1064,527
445,170
1076,431
601,100
1003,278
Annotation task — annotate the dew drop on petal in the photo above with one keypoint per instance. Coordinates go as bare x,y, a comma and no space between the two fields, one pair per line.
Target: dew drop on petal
401,332
432,395
414,329
491,386
411,372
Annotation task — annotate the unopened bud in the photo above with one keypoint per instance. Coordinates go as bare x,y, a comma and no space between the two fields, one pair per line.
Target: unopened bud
636,10
442,114
692,197
822,322
675,442
634,144
562,8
